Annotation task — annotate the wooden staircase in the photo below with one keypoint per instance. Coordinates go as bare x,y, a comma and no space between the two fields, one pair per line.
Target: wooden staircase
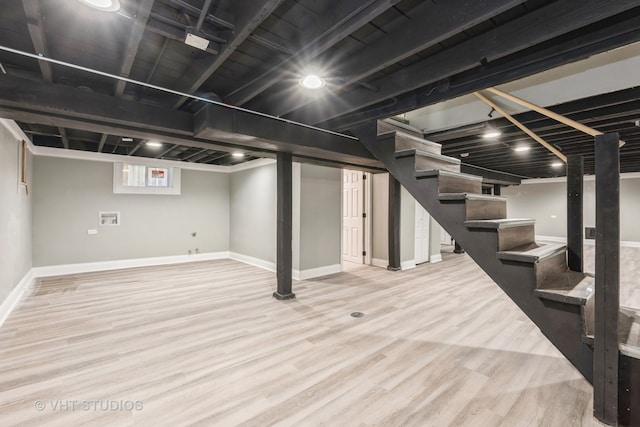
534,275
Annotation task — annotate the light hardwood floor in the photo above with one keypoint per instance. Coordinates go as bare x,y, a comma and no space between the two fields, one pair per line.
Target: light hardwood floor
205,344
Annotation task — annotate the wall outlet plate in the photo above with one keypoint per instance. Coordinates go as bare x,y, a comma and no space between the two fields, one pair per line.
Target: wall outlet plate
590,233
92,231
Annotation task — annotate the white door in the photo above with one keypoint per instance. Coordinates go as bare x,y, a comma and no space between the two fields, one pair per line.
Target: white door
352,219
422,235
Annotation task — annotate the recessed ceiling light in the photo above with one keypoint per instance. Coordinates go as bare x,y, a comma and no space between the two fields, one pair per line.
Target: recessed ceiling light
238,154
557,164
464,154
312,81
522,148
154,144
491,134
125,139
104,5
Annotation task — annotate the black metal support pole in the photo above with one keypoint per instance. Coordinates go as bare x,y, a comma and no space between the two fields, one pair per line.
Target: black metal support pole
496,189
284,226
457,249
394,224
607,287
575,179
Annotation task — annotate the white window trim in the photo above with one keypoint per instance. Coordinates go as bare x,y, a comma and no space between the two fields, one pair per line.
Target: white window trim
172,190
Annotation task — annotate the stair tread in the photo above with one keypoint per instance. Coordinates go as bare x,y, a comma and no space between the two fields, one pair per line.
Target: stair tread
415,152
500,223
469,196
428,173
570,287
532,252
628,332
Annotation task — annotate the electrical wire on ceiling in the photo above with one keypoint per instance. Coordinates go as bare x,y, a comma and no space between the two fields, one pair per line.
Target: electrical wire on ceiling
41,57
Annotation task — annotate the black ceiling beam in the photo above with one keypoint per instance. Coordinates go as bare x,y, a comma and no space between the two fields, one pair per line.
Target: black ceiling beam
551,55
64,137
133,42
536,27
36,32
103,140
491,176
220,127
249,14
348,16
430,23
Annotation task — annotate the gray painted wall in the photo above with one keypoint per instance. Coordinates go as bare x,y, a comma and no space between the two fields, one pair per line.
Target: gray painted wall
253,212
543,201
320,216
380,220
68,194
407,226
380,216
15,214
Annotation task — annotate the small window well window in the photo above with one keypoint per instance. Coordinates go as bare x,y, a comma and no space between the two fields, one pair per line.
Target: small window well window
142,179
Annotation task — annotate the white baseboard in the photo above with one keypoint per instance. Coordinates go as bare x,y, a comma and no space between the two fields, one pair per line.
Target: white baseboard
312,273
587,242
256,262
16,295
379,262
435,258
408,265
88,267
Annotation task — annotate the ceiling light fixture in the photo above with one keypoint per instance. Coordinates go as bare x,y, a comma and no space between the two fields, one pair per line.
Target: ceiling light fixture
556,164
490,134
126,139
154,144
238,154
104,5
312,81
522,148
464,154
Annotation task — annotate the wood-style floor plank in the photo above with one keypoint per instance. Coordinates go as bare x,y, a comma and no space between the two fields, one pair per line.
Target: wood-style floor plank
206,344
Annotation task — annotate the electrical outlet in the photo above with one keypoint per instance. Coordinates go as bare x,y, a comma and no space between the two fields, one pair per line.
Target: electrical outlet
189,253
92,231
590,233
197,250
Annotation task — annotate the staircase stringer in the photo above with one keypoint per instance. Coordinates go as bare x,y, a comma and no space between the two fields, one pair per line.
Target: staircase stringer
562,324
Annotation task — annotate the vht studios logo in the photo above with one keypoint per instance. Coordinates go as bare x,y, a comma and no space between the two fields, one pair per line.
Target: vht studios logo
59,405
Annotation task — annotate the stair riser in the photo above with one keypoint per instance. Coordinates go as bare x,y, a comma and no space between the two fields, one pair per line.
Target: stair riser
548,268
424,163
449,184
486,209
509,238
404,142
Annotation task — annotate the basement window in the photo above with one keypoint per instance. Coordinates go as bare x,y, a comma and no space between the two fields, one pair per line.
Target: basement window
129,178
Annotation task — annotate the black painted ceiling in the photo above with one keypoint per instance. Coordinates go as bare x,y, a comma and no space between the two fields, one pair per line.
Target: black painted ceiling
379,57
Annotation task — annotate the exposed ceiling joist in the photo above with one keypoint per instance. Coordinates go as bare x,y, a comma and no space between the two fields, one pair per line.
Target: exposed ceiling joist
349,16
133,43
560,53
34,24
538,26
249,14
430,24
